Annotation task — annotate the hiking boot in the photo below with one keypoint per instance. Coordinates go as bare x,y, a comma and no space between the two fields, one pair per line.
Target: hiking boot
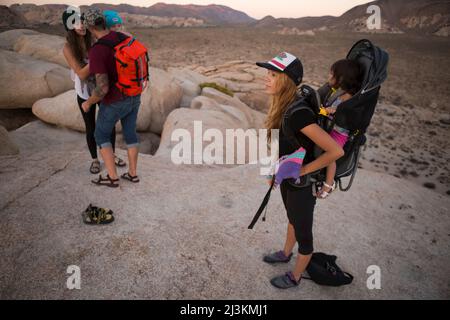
285,281
277,257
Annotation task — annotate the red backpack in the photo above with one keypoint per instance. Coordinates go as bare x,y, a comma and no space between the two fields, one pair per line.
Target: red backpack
131,64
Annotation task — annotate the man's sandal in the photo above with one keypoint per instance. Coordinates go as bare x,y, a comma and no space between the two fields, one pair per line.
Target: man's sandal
108,182
97,216
324,194
119,162
95,167
129,177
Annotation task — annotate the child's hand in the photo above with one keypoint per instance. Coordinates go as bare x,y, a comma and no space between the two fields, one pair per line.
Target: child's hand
269,179
331,110
289,167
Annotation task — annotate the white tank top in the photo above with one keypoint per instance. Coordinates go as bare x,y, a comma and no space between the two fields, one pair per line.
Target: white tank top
81,87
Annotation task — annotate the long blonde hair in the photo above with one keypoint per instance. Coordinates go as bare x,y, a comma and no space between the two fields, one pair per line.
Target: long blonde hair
287,92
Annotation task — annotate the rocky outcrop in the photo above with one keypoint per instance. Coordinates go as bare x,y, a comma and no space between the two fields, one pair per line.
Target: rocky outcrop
9,19
244,78
61,110
295,32
215,114
40,46
425,17
9,38
158,15
190,82
159,99
191,221
443,32
25,80
7,146
143,21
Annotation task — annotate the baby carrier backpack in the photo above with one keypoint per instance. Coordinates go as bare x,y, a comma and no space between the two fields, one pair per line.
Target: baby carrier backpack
354,115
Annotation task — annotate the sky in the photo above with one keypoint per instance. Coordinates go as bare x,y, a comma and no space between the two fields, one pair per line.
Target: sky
254,8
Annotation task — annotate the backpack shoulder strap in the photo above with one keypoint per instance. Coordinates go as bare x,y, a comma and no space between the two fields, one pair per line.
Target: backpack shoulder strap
298,105
333,96
122,36
112,44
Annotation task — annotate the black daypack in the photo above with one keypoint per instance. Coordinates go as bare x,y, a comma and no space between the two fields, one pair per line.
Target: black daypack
324,271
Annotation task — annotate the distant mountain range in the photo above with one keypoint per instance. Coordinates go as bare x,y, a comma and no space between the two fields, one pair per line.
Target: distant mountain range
210,14
398,16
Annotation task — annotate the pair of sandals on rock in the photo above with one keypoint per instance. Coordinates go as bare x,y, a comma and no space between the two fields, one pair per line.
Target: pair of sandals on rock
96,168
97,216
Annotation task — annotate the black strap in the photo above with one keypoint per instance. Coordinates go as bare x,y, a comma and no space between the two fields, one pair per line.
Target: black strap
263,205
286,128
349,275
112,44
122,37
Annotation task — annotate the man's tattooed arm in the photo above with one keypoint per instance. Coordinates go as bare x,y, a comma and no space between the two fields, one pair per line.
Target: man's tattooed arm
102,85
100,91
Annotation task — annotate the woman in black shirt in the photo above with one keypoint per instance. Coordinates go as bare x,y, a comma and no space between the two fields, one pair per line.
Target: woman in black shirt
285,73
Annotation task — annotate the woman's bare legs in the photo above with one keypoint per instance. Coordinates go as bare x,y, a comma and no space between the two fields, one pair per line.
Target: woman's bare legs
290,240
302,260
300,265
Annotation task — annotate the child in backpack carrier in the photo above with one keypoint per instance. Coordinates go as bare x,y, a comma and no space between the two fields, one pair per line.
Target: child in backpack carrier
345,77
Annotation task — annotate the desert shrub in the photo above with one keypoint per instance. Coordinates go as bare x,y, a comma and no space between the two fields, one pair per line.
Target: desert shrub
217,87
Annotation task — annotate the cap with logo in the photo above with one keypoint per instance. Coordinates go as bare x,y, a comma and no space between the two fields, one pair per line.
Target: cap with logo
286,63
112,18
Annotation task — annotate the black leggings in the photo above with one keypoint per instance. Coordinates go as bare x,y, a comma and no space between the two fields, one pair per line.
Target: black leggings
89,121
299,204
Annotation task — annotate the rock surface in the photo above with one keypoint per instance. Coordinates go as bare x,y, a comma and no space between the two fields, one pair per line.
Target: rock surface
218,112
38,45
201,233
9,38
43,47
190,82
244,78
26,80
7,146
159,99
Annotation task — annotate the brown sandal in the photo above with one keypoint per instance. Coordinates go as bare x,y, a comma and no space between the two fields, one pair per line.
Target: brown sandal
96,216
129,177
108,182
119,162
95,167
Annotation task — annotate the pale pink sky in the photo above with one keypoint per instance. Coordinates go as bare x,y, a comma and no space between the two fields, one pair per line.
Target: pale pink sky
254,8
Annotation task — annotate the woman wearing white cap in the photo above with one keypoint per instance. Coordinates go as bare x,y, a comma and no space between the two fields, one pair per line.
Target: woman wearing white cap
284,75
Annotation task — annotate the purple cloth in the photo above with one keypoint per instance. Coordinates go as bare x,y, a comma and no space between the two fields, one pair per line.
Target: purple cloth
289,167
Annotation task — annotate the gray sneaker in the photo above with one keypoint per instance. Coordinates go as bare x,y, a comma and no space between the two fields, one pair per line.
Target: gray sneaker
277,257
285,281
